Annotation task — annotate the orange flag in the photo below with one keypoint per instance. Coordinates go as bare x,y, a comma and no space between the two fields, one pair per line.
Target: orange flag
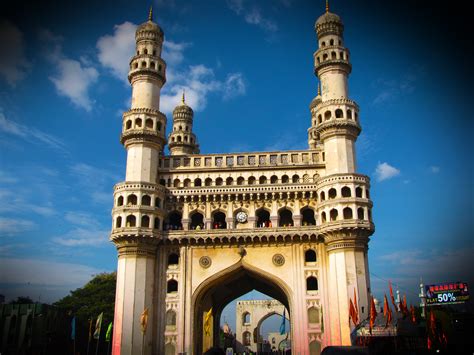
373,314
356,308
387,312
391,295
405,303
352,313
144,320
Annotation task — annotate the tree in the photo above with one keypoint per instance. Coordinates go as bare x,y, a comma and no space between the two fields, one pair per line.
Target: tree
22,300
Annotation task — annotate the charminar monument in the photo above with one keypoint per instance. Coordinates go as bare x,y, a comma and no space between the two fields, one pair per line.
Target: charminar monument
195,231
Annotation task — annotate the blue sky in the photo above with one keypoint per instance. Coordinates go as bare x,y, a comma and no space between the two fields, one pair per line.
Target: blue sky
248,73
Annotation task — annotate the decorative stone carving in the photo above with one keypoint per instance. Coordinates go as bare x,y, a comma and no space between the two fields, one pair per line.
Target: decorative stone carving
205,262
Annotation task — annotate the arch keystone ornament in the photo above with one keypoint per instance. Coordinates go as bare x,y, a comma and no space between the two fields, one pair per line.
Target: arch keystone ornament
195,231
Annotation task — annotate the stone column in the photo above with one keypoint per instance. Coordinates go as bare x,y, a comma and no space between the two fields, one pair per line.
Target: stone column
134,293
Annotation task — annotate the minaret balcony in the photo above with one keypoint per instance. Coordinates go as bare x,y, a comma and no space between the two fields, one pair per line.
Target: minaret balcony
147,65
137,136
338,127
332,56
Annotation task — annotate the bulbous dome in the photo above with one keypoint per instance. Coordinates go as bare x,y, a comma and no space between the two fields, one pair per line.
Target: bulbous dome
183,108
150,26
328,17
315,102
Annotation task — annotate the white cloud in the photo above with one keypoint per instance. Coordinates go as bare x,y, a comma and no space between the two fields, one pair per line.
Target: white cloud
73,78
81,219
16,203
13,226
391,90
252,16
173,52
30,133
115,50
6,178
13,63
234,86
81,237
384,171
435,169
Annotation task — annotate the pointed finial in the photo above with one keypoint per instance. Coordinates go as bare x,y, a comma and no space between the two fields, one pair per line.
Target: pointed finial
327,5
150,13
319,89
183,98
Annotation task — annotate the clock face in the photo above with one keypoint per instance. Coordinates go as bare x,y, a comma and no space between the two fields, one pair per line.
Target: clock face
241,217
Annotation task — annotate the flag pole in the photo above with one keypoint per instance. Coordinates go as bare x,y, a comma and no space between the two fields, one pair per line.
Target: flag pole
108,348
89,339
97,346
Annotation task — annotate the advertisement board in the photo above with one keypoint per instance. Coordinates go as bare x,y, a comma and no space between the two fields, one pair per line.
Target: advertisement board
447,293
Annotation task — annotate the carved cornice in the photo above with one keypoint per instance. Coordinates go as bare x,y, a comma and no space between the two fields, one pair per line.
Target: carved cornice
337,127
136,246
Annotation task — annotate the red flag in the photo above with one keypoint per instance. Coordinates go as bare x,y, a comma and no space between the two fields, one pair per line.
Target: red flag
387,312
391,295
352,313
432,323
412,313
405,308
356,308
373,314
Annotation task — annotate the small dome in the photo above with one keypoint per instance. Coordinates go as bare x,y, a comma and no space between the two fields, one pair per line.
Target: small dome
183,107
150,26
328,17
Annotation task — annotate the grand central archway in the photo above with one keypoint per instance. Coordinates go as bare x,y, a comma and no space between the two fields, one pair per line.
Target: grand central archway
217,291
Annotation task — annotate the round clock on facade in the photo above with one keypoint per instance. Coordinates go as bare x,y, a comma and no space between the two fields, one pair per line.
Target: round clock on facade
241,217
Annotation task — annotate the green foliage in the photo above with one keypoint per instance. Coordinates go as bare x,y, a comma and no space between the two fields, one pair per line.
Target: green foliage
87,302
22,300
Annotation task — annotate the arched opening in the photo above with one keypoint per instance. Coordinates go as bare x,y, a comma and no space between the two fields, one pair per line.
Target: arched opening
327,115
197,182
170,319
149,123
132,200
246,338
346,192
332,193
295,179
208,182
162,182
311,284
285,218
176,182
320,119
310,256
333,55
157,202
173,259
360,213
156,225
229,181
323,217
251,180
118,222
197,220
120,201
174,221
313,315
218,220
146,200
333,214
131,221
314,348
170,349
322,196
262,180
308,217
145,221
359,192
263,218
172,286
273,179
246,318
187,183
219,181
138,122
285,179
339,113
240,180
128,125
158,126
349,114
216,292
347,213
331,42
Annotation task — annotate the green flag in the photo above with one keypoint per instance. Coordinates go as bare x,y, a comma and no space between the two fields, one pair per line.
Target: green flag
108,335
98,325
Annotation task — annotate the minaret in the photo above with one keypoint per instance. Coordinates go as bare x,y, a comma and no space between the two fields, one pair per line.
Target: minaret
138,202
182,140
344,205
336,117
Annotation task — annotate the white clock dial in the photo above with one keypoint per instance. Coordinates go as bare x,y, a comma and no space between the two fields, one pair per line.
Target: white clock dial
241,217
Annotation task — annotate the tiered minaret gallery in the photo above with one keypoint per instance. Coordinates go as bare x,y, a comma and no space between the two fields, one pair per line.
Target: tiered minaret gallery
138,213
344,204
182,140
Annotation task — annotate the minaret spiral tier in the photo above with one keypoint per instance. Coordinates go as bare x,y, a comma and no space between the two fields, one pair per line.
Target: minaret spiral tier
182,140
138,209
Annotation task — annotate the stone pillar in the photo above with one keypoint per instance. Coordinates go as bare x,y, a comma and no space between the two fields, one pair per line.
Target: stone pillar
134,293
